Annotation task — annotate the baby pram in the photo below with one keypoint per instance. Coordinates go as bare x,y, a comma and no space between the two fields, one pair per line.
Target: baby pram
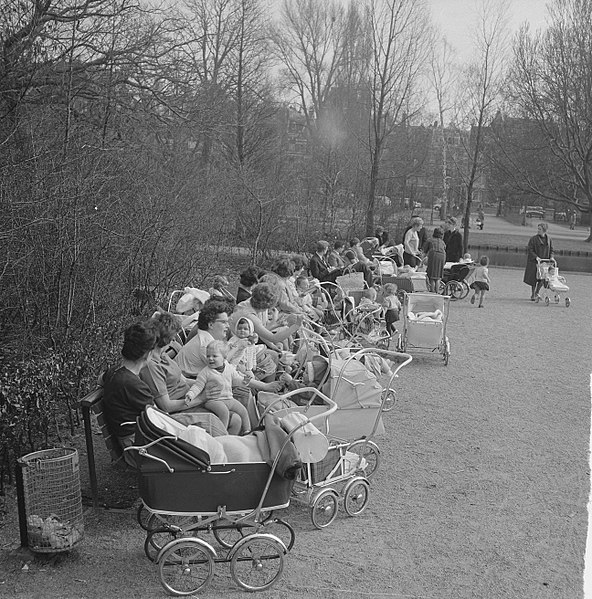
352,458
231,489
455,279
554,285
425,316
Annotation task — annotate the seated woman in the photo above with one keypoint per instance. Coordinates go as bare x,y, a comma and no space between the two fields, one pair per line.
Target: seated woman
211,324
167,383
247,279
125,395
288,300
257,309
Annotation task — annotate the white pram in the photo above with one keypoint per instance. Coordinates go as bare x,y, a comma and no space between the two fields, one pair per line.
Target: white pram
554,285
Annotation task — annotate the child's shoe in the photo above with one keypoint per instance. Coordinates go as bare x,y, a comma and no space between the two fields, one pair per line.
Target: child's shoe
473,299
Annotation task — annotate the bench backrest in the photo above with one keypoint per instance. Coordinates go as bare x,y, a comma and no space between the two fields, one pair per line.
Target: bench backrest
93,403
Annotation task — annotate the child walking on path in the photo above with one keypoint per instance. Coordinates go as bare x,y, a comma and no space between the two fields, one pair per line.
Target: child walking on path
482,281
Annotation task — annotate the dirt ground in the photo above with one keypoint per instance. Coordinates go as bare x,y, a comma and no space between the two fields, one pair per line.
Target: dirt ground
481,493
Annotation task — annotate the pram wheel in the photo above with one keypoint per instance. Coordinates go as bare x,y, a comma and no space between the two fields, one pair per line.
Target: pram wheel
556,299
388,399
465,289
567,302
323,509
454,289
156,540
369,452
546,300
280,529
186,566
257,562
227,534
356,495
143,516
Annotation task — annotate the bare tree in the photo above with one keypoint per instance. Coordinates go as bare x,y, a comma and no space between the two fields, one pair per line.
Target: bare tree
400,34
481,88
550,83
442,76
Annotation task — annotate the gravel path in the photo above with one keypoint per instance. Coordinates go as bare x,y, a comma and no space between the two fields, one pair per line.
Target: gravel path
482,491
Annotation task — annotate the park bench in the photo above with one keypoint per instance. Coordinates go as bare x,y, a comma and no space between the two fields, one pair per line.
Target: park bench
92,403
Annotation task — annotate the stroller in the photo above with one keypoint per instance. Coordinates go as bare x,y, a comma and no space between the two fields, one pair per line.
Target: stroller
192,483
425,316
455,277
361,394
554,285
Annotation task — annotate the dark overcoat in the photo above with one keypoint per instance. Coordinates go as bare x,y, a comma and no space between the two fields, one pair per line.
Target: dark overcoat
538,247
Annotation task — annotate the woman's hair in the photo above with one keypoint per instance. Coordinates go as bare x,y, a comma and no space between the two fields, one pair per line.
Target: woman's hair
299,261
249,276
544,226
349,254
339,243
284,267
353,241
379,230
138,340
321,246
390,289
438,233
219,281
166,326
263,296
210,312
218,345
416,220
484,261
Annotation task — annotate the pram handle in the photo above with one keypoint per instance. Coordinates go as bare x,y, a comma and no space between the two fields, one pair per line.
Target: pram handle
315,393
143,450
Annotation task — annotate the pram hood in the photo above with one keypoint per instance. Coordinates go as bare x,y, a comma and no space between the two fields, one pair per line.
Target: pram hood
352,386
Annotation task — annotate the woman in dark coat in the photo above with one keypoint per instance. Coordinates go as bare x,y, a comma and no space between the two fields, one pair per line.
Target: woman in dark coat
436,259
540,247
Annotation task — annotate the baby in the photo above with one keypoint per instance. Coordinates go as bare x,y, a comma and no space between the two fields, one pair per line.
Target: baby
556,282
242,352
217,380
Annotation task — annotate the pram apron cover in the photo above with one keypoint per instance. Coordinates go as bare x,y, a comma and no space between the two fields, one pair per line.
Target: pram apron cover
195,486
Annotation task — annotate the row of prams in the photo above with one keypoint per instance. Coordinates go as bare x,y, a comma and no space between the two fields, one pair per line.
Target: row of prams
197,513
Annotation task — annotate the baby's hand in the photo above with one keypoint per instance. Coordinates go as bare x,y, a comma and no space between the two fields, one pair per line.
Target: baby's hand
253,339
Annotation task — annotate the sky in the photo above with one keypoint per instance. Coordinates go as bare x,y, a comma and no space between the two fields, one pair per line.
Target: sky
456,18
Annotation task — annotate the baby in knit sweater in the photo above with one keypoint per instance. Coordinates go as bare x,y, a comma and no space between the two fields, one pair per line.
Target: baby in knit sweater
217,380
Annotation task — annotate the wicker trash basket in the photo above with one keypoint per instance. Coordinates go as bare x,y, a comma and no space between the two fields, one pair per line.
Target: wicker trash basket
52,499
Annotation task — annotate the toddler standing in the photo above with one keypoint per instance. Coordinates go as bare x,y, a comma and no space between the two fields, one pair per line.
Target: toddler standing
481,282
392,307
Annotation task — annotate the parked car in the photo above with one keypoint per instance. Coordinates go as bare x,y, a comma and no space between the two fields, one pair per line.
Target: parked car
534,212
437,207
